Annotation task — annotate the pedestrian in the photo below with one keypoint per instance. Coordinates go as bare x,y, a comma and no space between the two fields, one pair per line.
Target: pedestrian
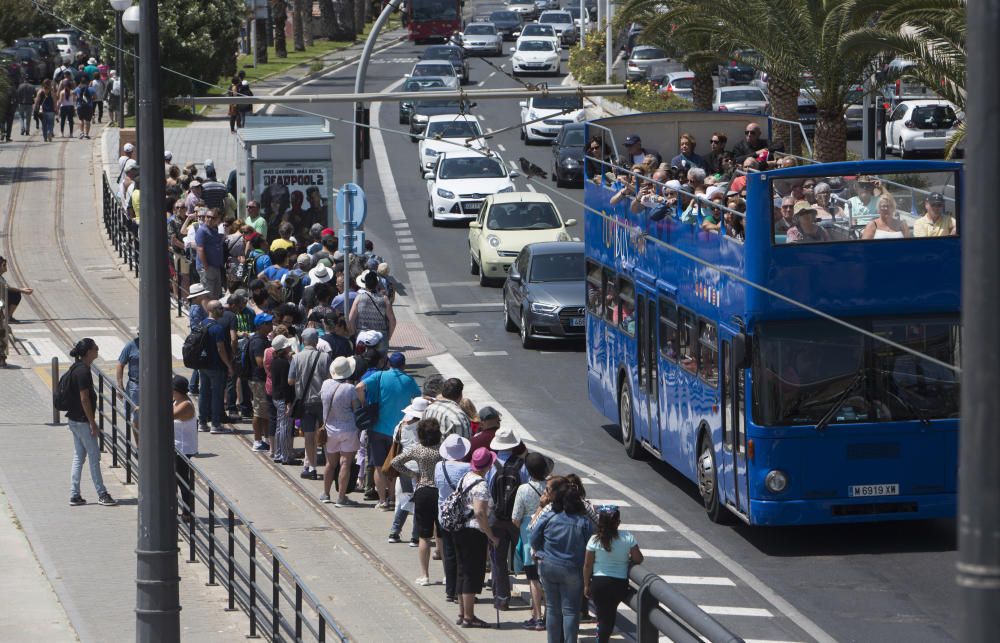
405,436
426,454
244,110
25,101
340,400
10,109
392,390
84,107
11,297
213,374
210,253
447,473
559,539
67,107
504,481
447,412
45,107
473,539
605,568
197,315
14,294
115,116
283,394
185,443
252,367
526,502
81,415
372,310
99,88
234,109
129,357
309,369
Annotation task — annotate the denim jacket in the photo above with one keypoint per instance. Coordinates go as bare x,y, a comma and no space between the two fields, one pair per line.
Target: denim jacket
561,539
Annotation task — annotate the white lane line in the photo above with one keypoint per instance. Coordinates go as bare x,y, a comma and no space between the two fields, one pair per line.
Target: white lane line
492,74
481,83
448,366
400,224
414,266
479,116
490,353
721,610
453,284
412,255
630,527
407,247
462,324
43,349
531,188
618,503
720,581
473,305
501,147
513,165
489,130
32,331
670,553
84,329
111,346
589,481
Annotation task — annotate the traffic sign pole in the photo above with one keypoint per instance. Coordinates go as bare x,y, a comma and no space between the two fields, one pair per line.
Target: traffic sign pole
349,192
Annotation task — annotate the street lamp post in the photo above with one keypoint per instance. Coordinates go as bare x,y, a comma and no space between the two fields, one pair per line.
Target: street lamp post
131,24
119,6
157,605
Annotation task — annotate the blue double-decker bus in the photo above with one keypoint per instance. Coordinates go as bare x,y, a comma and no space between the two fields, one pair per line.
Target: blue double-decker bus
800,367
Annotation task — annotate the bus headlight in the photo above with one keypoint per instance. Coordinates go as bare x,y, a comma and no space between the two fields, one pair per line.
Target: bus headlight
776,481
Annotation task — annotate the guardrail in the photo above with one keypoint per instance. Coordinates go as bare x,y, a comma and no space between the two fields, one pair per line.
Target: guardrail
257,578
663,611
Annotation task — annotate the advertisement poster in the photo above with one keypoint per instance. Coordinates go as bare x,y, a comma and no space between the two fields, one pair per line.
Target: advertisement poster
295,192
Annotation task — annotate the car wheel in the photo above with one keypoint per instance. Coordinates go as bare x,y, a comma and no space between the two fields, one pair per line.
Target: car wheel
903,154
524,136
483,279
627,424
473,266
555,175
708,482
508,323
526,341
403,121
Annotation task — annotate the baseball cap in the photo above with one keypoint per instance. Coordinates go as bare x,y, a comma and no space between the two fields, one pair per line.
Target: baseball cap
397,360
488,413
632,139
194,184
369,337
168,156
262,318
128,148
327,232
304,260
209,163
935,197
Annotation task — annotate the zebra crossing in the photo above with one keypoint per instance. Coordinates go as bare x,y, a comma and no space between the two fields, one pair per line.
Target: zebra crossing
39,344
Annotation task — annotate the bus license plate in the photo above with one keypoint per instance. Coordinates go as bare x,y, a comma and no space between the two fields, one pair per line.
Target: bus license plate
866,490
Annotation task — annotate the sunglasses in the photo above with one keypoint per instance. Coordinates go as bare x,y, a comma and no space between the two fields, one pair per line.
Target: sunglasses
715,141
808,185
750,131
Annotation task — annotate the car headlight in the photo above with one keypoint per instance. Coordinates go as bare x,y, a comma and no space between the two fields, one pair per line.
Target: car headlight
420,118
493,240
430,152
776,481
539,307
532,115
445,194
509,188
570,162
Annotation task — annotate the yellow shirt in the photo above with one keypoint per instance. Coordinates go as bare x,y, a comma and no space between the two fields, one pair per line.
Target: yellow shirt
281,243
943,227
135,204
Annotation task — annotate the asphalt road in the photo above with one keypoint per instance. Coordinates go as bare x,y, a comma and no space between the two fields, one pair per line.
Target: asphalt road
881,582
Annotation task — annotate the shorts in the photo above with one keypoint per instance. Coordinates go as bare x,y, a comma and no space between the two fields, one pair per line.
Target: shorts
378,448
343,441
309,421
531,572
425,510
260,406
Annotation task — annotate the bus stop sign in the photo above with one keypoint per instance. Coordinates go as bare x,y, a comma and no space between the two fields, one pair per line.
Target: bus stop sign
351,202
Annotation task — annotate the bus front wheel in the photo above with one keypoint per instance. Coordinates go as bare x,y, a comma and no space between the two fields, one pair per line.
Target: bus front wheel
626,422
708,483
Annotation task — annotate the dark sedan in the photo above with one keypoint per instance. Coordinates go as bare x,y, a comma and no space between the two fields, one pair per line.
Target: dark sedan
47,50
455,54
427,107
508,24
31,63
567,155
423,83
543,296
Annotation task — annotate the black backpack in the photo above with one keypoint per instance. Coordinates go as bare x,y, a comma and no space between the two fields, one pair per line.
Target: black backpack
506,480
247,363
196,347
65,389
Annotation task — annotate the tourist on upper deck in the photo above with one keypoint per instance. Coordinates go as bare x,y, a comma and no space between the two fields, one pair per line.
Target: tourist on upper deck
787,219
805,229
751,143
935,222
865,203
687,158
886,226
826,209
635,152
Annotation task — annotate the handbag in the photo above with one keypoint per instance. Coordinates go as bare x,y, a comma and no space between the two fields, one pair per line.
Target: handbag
387,469
301,405
366,416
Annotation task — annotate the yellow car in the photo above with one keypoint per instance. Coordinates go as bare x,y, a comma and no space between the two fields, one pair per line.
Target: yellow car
506,223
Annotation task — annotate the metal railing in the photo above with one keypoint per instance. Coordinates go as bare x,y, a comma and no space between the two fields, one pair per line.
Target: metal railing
257,578
662,610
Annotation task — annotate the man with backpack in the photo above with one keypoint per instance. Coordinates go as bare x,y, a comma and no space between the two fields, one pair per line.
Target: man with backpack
508,473
252,368
214,369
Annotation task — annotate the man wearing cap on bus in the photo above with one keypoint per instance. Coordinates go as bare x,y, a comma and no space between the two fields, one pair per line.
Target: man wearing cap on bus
935,222
635,153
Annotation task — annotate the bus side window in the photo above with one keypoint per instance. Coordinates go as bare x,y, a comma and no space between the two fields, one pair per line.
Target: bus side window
687,336
668,329
626,305
595,299
708,344
610,297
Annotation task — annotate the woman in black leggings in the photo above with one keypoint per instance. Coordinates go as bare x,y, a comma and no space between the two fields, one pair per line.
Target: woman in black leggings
67,107
605,568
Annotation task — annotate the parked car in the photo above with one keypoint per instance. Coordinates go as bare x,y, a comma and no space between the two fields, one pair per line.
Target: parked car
535,56
461,181
555,112
47,50
420,84
642,59
453,53
448,133
481,38
631,35
543,296
679,84
505,224
526,8
740,98
424,108
508,23
562,22
920,126
735,72
807,112
567,155
442,68
67,45
32,64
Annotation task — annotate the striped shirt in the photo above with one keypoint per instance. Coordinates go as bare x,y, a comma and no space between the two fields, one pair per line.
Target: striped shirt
451,417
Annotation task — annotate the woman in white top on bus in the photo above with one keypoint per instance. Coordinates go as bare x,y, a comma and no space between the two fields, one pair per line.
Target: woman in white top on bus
185,441
886,225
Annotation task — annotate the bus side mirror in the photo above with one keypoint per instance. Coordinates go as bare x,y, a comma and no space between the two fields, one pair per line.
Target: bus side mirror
741,351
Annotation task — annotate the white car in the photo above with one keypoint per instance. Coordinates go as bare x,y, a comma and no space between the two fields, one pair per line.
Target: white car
679,83
562,22
448,133
582,24
920,126
461,181
554,112
535,57
482,38
740,98
535,31
67,47
437,68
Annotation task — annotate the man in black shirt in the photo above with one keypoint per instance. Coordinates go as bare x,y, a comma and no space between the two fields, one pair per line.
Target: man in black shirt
254,369
751,143
82,421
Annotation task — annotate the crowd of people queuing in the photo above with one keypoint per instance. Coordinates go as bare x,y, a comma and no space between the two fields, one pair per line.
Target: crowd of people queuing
293,337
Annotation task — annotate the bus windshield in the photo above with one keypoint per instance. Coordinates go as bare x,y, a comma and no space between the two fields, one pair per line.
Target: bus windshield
805,367
431,10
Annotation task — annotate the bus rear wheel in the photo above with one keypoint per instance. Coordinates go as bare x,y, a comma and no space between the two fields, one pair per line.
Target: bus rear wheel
627,424
708,483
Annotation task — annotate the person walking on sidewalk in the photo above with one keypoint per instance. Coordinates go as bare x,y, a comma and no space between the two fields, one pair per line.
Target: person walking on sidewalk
309,369
425,496
84,107
81,417
605,568
340,400
115,117
25,102
67,107
45,105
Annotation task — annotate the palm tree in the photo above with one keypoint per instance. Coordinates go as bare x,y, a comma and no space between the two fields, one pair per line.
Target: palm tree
791,40
279,17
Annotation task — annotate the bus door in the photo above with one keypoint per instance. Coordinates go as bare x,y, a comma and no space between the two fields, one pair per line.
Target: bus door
733,470
647,349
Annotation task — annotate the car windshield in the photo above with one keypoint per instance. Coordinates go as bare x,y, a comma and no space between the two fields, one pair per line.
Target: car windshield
442,53
574,11
933,117
527,2
503,16
556,18
682,83
557,267
433,70
454,129
648,54
480,30
523,216
573,137
741,95
538,30
558,102
535,45
471,167
803,368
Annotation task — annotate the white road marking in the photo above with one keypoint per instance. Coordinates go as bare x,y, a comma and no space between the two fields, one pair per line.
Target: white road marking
84,329
111,346
481,83
31,331
404,248
414,266
415,255
489,353
631,527
473,305
462,324
401,224
531,188
670,553
618,503
501,148
513,165
448,366
452,284
492,74
720,581
489,130
720,610
43,349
